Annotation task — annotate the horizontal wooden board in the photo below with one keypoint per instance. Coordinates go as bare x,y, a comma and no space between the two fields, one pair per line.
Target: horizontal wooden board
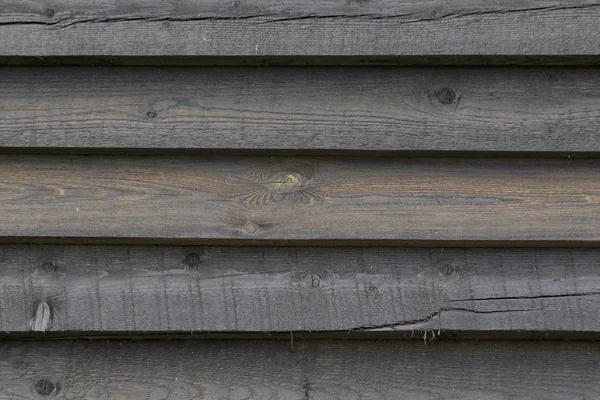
303,61
357,109
299,28
210,199
304,370
95,289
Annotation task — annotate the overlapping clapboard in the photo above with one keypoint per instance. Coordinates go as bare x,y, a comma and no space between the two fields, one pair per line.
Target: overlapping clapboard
319,198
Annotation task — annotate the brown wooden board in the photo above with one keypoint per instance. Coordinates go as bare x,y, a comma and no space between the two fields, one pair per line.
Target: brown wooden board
96,289
325,200
303,370
301,109
299,28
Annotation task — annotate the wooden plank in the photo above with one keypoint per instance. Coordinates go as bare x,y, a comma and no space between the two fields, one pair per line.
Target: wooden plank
96,289
303,61
308,370
299,28
358,109
209,199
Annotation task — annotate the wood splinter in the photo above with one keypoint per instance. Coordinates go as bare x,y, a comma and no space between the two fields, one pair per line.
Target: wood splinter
41,321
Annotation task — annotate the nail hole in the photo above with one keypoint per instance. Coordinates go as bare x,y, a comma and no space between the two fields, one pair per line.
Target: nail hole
150,114
50,12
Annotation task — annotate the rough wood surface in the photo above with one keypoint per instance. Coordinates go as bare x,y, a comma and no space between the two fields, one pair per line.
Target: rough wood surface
386,109
289,61
92,289
307,370
298,28
210,199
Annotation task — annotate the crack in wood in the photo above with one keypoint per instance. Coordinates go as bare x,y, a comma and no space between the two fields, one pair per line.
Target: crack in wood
546,296
433,17
436,315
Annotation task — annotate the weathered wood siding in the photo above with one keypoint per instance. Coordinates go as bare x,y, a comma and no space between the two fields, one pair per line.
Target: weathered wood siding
300,28
306,370
301,171
231,199
302,109
96,289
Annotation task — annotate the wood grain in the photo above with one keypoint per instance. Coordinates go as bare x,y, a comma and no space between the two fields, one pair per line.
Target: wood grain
358,109
309,370
209,199
95,289
299,28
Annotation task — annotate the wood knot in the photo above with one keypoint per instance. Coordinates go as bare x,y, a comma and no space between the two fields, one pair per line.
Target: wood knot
248,224
45,388
49,266
285,183
291,182
50,12
250,227
446,269
192,260
316,280
305,278
42,318
445,96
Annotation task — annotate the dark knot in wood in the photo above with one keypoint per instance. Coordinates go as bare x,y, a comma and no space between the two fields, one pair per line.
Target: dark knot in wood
446,96
44,387
192,260
446,269
49,266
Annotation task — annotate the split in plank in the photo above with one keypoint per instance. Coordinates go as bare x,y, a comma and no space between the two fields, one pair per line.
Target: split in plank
299,28
96,289
346,370
233,200
312,109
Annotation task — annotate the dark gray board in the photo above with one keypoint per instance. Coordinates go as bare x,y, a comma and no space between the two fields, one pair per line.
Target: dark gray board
96,289
299,28
348,370
301,109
